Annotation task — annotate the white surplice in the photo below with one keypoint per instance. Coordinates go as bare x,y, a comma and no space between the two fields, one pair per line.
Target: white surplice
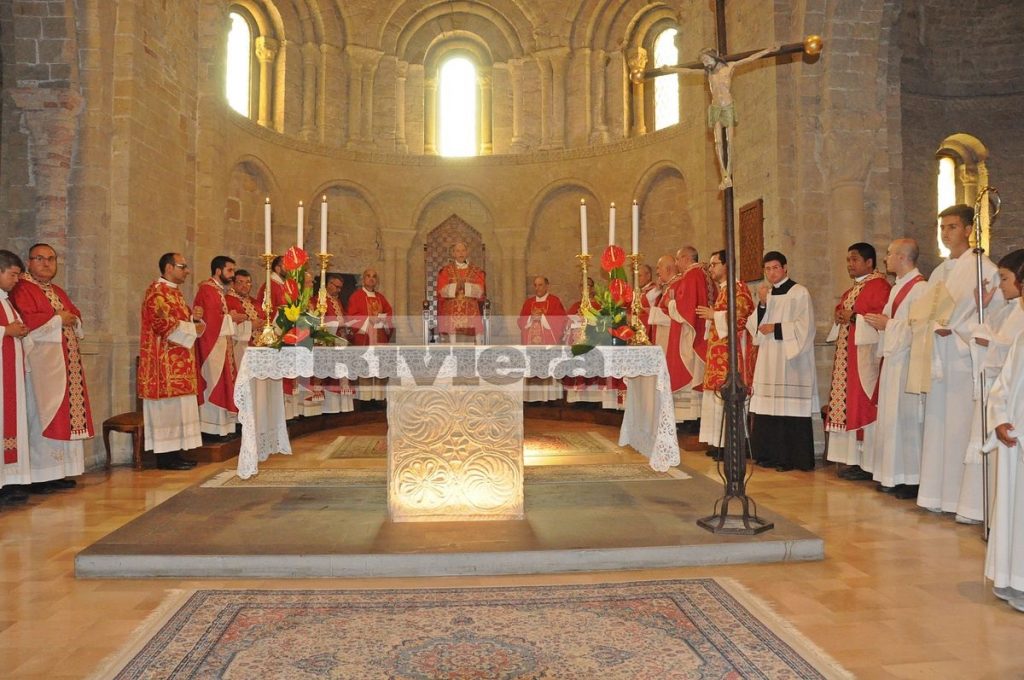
785,382
950,400
1000,329
17,472
1004,560
899,429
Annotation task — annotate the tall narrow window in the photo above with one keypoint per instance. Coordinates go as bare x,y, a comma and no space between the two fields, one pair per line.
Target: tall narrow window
239,62
457,108
666,88
946,186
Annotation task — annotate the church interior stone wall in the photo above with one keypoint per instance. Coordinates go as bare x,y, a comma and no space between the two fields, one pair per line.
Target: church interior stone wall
118,145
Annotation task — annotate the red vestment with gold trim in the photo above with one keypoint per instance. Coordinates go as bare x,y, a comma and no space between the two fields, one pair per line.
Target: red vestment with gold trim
166,369
460,314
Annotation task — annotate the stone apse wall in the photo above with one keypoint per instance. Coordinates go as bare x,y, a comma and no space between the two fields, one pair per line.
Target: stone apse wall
117,144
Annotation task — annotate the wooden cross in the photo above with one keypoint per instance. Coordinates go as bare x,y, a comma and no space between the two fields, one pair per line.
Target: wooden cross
718,70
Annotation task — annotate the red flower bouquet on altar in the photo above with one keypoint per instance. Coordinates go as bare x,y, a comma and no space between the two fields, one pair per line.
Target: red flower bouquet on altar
299,326
608,324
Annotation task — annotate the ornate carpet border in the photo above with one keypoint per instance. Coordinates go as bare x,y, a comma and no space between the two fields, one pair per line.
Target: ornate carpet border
799,654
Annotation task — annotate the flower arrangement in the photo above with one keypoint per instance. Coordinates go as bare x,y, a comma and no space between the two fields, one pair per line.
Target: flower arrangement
608,324
299,327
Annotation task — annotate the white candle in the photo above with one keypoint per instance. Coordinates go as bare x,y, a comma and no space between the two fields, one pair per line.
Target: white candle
298,228
323,225
611,225
266,227
583,226
636,227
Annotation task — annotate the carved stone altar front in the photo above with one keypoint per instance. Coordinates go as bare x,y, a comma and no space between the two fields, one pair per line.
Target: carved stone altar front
455,452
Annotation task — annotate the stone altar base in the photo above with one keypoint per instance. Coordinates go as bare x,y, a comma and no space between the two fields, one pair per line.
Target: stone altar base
300,532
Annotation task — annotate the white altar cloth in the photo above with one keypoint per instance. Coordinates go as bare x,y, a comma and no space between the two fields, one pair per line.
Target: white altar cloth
648,422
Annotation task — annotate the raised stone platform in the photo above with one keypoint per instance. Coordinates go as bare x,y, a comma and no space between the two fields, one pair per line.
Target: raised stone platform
310,531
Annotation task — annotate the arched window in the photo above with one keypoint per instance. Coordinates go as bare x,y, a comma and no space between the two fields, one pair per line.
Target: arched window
457,107
666,88
946,193
238,81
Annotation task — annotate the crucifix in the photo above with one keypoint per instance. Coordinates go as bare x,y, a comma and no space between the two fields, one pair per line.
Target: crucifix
718,67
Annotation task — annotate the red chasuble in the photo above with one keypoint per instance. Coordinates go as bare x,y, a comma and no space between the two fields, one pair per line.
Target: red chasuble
362,307
248,306
12,368
686,348
855,369
72,418
166,369
533,331
210,297
459,314
717,367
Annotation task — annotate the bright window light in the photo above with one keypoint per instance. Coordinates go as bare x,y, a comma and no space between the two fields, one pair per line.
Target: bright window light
239,60
666,88
457,108
946,186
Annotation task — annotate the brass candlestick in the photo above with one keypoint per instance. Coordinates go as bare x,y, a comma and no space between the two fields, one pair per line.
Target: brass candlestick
585,306
268,334
321,299
636,308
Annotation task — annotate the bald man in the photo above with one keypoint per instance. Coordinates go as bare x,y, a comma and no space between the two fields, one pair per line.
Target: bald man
372,322
460,292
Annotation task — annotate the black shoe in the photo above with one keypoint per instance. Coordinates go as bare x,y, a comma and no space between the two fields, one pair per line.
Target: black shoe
906,491
66,483
886,489
783,468
185,461
13,495
168,462
42,488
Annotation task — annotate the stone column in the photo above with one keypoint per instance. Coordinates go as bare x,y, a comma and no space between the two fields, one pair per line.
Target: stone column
544,63
266,51
559,63
484,80
50,115
430,115
321,93
369,74
355,96
599,128
280,75
310,60
402,71
515,71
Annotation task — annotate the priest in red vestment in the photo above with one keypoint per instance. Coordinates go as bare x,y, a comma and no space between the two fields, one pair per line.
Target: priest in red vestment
215,353
372,322
712,411
852,408
336,394
168,382
680,332
14,464
58,405
461,289
277,300
542,322
239,301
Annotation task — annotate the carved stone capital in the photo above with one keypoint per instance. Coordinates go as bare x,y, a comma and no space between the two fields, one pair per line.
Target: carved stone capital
266,49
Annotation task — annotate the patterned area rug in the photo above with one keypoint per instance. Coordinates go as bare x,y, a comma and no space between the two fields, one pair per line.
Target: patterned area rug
534,446
541,474
692,628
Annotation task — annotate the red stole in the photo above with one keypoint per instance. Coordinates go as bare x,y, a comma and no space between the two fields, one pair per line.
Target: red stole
8,347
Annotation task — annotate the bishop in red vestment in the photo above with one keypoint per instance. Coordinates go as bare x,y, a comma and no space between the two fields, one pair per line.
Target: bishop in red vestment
58,405
542,322
461,289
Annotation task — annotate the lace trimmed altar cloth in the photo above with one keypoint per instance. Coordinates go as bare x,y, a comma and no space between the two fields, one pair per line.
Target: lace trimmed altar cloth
648,422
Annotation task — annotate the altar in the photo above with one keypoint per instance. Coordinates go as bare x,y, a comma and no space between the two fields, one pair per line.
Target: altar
455,415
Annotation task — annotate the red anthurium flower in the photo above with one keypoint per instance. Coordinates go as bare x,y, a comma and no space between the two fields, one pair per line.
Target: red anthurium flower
291,289
294,258
295,336
612,257
620,291
622,332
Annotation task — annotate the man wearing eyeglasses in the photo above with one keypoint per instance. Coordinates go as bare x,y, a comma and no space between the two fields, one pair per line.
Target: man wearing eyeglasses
167,380
58,406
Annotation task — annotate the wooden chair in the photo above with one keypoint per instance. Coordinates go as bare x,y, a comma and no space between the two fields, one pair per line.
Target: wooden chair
128,423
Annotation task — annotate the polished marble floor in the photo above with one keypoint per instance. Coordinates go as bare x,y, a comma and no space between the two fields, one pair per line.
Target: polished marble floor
899,594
